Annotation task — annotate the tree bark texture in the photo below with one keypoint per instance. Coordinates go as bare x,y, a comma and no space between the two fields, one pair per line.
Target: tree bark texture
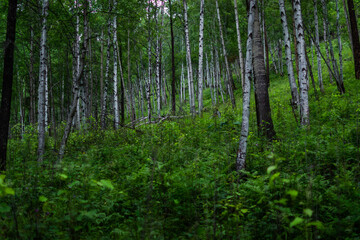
7,81
354,37
241,154
289,62
201,56
264,120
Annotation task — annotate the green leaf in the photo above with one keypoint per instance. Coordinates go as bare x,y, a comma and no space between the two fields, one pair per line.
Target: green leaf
43,199
4,208
292,193
296,221
317,224
271,168
176,201
63,176
244,210
106,183
281,201
273,177
308,212
9,191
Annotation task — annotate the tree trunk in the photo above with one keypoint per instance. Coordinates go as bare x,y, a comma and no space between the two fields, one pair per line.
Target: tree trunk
32,111
230,81
318,54
241,154
265,124
201,56
76,94
130,96
148,82
303,78
106,83
339,82
339,44
354,37
115,77
189,64
42,83
241,60
289,62
327,51
348,25
7,82
173,80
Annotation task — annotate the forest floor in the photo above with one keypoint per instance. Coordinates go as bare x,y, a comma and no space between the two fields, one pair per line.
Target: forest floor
177,179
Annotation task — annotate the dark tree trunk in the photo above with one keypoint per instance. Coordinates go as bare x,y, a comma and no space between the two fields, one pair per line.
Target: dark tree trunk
355,37
7,82
263,110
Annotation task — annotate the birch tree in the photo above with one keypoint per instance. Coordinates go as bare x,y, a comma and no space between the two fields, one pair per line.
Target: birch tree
318,54
241,154
42,83
188,61
201,55
230,81
241,60
303,78
115,76
289,62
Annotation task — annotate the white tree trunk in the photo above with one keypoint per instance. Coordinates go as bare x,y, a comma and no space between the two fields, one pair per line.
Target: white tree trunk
327,52
201,56
189,64
289,62
115,77
318,54
106,83
148,82
339,41
42,83
241,154
229,77
239,41
303,78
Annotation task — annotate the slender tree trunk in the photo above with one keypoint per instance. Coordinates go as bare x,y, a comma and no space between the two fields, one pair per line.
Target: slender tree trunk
115,77
327,51
241,154
348,25
289,62
173,80
32,111
189,64
354,37
230,80
201,56
107,70
339,44
265,124
339,82
318,54
241,60
303,78
148,82
42,83
130,97
76,94
101,69
7,82
157,73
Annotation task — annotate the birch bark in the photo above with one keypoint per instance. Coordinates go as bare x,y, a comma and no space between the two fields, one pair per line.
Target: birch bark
289,62
189,64
230,81
303,78
42,82
115,75
201,55
318,54
241,154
